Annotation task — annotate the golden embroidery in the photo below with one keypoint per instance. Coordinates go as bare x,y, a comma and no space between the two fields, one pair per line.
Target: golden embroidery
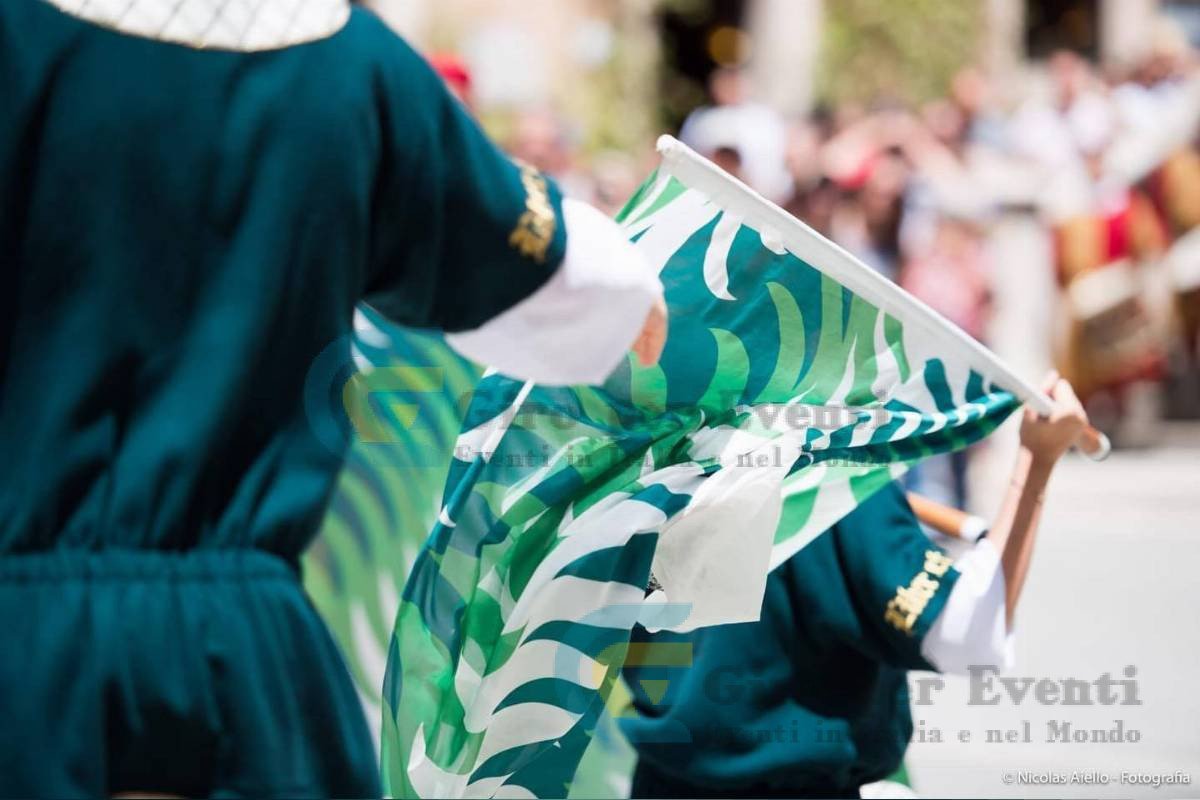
906,607
535,227
900,620
936,563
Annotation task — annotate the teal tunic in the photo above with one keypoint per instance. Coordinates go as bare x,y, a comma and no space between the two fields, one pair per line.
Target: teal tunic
183,237
811,700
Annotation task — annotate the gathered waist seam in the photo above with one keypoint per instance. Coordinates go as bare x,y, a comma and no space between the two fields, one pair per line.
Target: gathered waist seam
132,564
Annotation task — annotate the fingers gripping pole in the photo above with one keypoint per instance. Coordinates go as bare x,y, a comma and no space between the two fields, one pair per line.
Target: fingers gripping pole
1094,444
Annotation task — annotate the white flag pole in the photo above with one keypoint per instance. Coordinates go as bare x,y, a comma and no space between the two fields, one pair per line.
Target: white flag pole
772,222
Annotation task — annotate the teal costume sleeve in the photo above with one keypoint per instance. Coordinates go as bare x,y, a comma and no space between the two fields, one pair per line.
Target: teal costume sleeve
460,232
811,700
895,579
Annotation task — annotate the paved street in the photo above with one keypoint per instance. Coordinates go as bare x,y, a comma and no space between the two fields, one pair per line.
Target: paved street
1114,586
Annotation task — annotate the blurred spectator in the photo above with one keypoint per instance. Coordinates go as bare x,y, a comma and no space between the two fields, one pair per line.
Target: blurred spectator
453,70
728,158
952,276
541,138
1066,133
758,134
971,94
615,177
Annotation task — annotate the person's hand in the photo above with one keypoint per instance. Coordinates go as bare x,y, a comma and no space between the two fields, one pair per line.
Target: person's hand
649,345
1047,438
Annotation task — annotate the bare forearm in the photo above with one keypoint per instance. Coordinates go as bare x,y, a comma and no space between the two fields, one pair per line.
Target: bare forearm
1043,441
1015,529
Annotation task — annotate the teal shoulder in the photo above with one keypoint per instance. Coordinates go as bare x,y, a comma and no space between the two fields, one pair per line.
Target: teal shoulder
374,41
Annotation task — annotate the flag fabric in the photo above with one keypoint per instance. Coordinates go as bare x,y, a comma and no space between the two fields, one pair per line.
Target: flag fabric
400,400
795,382
402,395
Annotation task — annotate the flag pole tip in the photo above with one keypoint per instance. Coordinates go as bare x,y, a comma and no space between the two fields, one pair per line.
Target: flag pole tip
666,144
1103,448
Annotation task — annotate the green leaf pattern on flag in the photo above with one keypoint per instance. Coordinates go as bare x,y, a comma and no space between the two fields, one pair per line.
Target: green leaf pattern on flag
412,390
515,621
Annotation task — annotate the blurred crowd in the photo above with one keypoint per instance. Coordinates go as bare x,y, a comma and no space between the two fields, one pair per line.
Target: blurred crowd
1102,164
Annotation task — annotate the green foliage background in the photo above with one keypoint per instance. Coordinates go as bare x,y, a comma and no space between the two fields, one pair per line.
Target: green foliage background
903,51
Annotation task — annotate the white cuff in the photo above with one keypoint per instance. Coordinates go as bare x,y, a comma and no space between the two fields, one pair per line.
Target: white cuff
582,322
972,630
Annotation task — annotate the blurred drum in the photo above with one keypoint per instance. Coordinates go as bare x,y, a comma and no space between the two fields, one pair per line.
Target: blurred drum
1174,188
1110,339
1183,264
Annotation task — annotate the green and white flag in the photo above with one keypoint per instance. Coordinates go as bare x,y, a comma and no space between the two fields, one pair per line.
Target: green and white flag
795,383
398,405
